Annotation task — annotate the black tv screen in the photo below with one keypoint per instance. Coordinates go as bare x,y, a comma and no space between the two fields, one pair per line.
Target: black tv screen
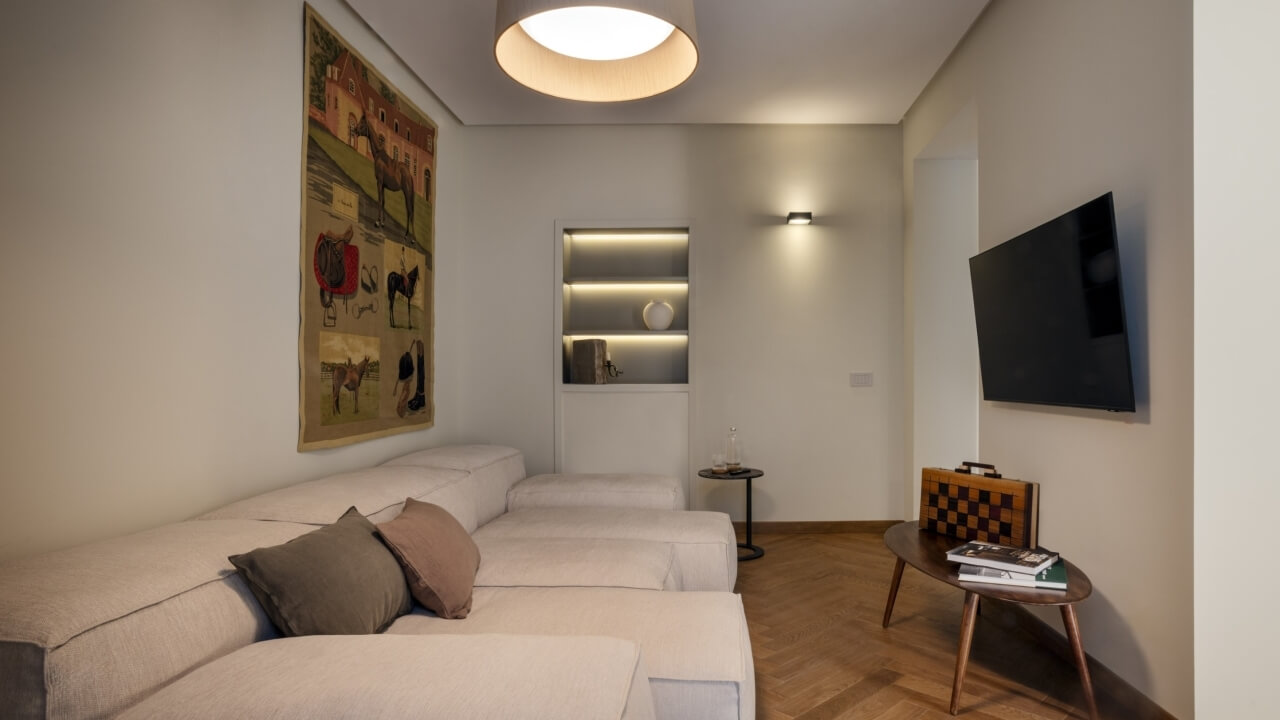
1050,314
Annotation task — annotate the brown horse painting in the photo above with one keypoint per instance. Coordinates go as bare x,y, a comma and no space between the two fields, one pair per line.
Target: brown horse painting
389,174
348,376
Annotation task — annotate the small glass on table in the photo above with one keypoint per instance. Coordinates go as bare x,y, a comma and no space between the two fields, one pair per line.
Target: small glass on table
718,465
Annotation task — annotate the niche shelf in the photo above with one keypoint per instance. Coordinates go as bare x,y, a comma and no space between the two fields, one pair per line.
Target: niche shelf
608,276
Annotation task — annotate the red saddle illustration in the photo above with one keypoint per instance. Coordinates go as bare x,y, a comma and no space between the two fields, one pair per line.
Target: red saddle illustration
336,262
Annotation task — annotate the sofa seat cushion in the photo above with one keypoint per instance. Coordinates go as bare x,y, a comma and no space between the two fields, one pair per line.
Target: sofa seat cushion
586,562
88,631
658,492
694,644
435,678
705,547
493,469
378,493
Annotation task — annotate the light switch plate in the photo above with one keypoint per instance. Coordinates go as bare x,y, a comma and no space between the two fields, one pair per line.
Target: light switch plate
861,379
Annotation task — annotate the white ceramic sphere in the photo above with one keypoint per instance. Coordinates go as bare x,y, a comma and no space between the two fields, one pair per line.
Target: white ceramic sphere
658,315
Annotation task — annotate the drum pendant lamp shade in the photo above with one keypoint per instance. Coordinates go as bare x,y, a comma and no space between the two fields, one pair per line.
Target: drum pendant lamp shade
649,73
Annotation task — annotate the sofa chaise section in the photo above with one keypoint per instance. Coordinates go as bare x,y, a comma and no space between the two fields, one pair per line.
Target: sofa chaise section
703,542
570,562
694,644
633,490
392,677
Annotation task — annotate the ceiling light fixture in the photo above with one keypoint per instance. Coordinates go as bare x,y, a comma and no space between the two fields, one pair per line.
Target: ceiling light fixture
799,218
609,51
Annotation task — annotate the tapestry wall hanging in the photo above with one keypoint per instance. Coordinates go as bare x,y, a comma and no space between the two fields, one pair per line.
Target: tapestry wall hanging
366,325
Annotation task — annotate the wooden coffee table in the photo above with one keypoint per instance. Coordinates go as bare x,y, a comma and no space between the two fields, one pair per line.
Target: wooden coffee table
927,552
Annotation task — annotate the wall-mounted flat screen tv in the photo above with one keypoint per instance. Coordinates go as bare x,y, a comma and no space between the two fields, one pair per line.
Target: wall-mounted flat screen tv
1049,307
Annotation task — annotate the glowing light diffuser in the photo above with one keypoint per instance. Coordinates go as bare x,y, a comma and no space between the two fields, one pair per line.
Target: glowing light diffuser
578,50
597,33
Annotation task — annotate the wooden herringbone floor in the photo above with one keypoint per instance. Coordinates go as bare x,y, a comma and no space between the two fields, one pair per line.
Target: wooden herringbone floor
814,604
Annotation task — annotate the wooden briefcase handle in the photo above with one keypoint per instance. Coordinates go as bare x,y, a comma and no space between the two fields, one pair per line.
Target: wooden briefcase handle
988,470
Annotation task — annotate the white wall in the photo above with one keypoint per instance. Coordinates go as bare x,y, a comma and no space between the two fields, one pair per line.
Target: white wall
1075,99
781,314
518,182
151,201
1236,385
942,353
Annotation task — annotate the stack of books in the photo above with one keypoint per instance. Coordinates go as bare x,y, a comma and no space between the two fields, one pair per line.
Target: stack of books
1003,565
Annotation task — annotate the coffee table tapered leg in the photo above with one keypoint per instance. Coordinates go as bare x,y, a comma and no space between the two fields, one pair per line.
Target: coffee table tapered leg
962,654
893,591
1082,663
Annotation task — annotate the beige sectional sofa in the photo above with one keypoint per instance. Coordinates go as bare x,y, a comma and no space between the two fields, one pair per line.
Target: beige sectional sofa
596,597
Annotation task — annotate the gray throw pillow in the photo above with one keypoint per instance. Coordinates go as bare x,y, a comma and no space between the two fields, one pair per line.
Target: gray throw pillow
338,580
440,559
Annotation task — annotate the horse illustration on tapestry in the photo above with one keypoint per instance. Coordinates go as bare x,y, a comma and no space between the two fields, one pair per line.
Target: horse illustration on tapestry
388,174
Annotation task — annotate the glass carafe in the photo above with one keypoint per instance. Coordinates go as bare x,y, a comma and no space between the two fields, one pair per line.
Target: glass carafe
733,451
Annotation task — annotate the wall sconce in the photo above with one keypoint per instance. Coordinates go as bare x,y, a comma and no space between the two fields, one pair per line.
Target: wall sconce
799,218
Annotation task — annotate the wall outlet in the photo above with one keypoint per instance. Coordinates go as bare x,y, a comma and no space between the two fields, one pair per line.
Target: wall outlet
861,379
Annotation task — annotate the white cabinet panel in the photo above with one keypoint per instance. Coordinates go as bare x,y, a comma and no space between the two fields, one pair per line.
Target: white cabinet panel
610,430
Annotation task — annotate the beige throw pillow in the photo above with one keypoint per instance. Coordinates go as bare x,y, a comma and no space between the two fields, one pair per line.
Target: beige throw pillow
439,558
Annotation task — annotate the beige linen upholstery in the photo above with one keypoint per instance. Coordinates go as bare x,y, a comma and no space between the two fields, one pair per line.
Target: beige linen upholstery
566,562
161,618
706,548
493,469
88,631
695,644
432,678
378,493
657,492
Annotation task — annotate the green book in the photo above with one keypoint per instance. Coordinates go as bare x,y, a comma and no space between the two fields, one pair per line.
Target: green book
1053,577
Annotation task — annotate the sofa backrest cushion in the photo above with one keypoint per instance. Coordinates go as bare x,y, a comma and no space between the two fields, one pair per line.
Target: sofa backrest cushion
438,556
89,631
378,493
493,469
338,580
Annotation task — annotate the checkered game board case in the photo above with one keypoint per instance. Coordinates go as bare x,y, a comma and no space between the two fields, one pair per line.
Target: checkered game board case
984,507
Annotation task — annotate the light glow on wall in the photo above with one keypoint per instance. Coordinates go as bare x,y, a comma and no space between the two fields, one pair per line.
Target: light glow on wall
645,337
628,287
619,236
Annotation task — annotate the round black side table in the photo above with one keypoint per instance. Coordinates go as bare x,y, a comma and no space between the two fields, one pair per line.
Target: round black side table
747,474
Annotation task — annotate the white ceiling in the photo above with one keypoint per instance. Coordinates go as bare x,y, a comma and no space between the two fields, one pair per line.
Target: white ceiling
761,61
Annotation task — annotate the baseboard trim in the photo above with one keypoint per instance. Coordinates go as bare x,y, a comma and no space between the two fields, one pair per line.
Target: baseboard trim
1106,683
819,526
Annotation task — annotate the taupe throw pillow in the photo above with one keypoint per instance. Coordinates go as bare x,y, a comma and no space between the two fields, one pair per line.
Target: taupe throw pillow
338,580
439,558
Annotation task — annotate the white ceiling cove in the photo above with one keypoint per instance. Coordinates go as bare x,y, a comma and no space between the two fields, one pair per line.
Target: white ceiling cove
761,61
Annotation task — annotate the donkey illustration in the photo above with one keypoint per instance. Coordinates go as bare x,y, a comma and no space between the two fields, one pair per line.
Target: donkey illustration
389,174
348,376
405,285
